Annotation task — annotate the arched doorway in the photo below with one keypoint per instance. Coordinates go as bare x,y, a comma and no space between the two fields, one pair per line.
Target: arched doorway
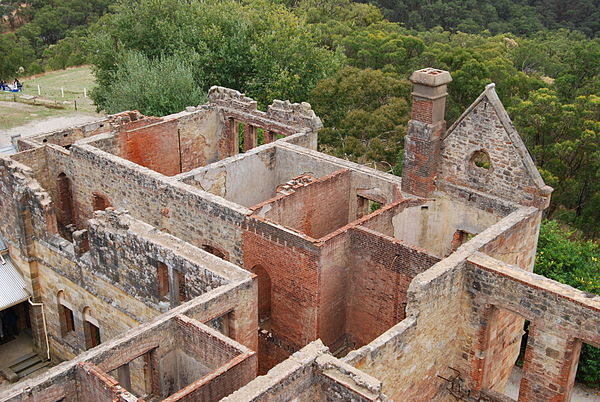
100,202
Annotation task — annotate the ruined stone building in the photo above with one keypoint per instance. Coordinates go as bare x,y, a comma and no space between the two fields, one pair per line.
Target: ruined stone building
214,253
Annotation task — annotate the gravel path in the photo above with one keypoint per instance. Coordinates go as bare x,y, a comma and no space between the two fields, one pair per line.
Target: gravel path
45,126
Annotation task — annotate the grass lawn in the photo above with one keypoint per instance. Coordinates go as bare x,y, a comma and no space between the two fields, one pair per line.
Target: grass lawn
16,114
73,80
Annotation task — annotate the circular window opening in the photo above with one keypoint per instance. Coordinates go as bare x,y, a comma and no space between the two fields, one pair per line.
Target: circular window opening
481,159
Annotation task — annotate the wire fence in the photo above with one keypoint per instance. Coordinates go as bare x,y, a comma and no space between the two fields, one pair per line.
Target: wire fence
51,97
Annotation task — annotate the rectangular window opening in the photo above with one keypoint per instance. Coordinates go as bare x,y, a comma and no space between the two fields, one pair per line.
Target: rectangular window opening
162,273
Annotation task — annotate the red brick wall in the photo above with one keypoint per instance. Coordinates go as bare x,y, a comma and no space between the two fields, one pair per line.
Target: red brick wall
97,385
220,383
292,267
155,147
504,335
381,271
422,110
203,346
317,209
272,351
333,288
421,157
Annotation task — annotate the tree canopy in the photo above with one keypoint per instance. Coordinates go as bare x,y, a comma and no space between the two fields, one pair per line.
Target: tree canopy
259,47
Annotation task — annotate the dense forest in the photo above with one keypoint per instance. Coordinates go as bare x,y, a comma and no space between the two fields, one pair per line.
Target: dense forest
351,61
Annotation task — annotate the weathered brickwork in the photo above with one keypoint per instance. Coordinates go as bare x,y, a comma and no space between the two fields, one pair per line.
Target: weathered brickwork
382,269
200,258
316,209
292,267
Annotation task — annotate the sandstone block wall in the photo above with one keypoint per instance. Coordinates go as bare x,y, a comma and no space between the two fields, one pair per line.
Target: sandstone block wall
408,357
510,174
334,270
561,318
159,340
311,374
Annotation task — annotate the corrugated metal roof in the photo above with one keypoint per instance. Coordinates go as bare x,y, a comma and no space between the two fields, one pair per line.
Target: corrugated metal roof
8,150
12,286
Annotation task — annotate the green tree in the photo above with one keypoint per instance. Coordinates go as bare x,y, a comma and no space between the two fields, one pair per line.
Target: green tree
365,114
70,51
564,139
257,47
16,53
154,87
382,46
565,258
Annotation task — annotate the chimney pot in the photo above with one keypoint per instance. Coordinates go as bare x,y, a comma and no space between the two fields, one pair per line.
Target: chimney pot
429,94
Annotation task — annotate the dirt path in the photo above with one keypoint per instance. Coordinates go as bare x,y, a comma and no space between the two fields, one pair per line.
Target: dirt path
45,125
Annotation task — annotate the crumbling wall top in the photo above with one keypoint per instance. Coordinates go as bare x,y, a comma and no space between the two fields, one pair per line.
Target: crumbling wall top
286,112
294,113
231,98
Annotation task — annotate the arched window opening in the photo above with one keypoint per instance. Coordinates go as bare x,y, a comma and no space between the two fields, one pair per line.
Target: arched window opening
65,204
100,202
264,293
91,329
65,315
215,251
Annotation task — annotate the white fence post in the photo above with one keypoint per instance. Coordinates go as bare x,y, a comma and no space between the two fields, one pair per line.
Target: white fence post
39,91
62,92
85,92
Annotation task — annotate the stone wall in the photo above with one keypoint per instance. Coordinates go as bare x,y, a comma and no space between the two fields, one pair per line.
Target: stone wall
561,318
261,169
174,207
507,171
409,357
133,268
159,339
308,375
432,226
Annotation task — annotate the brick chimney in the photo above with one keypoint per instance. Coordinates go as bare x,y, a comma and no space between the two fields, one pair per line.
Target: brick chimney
423,138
